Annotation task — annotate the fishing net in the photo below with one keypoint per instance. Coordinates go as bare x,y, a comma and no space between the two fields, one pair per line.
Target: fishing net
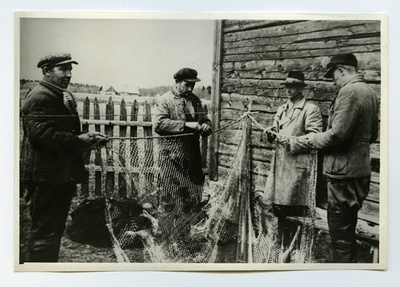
158,208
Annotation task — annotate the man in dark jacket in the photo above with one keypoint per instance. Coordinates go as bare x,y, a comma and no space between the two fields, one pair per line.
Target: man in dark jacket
51,155
352,127
179,112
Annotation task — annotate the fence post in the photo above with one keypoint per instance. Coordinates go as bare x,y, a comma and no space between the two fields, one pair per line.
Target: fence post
109,131
148,152
122,151
86,155
204,145
134,152
97,159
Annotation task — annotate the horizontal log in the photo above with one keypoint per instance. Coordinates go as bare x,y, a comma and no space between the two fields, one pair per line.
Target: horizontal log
323,92
243,25
315,75
303,32
300,53
115,123
370,207
366,61
276,85
310,46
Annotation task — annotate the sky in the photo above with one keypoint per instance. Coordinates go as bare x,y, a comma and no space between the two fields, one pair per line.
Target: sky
140,53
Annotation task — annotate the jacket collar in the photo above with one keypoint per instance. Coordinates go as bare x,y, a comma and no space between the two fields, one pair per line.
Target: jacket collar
52,87
298,105
356,79
178,95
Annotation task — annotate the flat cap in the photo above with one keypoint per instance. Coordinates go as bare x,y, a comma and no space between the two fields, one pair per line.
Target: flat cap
186,74
58,59
341,59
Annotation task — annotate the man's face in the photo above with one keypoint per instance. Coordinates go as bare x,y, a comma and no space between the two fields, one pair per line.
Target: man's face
60,75
185,88
293,92
338,77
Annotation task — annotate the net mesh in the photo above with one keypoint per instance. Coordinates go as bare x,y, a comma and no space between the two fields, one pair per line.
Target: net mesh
156,206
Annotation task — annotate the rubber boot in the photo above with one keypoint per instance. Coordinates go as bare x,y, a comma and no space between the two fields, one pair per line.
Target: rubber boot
342,227
44,255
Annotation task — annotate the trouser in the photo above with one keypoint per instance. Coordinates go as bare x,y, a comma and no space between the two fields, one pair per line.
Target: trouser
345,197
49,209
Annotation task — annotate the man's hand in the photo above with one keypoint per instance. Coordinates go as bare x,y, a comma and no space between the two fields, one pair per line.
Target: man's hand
101,138
205,130
271,133
301,143
193,125
93,140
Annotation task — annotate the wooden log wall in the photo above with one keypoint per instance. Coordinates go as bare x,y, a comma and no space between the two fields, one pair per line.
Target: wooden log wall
255,57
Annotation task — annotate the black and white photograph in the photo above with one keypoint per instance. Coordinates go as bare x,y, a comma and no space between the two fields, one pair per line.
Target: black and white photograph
200,142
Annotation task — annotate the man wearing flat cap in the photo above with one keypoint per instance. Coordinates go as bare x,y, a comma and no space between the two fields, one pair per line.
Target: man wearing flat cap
51,155
180,114
352,127
287,191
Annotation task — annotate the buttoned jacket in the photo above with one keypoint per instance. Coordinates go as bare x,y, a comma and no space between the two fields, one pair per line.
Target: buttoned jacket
352,127
51,150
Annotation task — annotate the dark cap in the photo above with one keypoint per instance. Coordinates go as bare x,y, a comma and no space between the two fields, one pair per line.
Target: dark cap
58,59
294,79
186,74
341,59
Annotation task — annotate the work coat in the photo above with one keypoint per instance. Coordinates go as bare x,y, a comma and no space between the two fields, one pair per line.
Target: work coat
289,177
352,127
180,159
51,150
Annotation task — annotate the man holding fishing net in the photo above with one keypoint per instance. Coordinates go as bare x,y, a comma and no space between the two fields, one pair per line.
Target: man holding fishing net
287,191
180,121
352,126
51,154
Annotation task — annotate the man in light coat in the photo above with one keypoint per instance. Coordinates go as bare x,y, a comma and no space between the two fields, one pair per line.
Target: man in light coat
352,127
288,191
288,187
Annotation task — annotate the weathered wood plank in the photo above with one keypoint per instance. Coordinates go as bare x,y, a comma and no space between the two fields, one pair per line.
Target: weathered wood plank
366,61
306,46
215,100
96,117
122,133
304,32
298,54
314,75
109,131
242,25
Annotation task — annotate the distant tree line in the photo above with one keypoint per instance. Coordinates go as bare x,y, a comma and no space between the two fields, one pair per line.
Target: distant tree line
201,91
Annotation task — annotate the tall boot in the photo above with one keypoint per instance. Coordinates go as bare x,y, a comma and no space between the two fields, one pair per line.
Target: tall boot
342,227
44,255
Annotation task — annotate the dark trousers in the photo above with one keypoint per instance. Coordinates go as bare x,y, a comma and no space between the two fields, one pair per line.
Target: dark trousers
345,197
50,204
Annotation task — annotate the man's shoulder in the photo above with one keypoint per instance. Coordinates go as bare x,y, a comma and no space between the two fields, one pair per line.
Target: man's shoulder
39,91
165,97
310,106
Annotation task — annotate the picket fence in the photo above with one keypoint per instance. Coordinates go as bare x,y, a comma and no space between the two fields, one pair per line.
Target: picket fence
107,176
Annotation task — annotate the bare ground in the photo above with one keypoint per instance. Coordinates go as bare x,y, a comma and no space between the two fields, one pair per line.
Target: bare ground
83,253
